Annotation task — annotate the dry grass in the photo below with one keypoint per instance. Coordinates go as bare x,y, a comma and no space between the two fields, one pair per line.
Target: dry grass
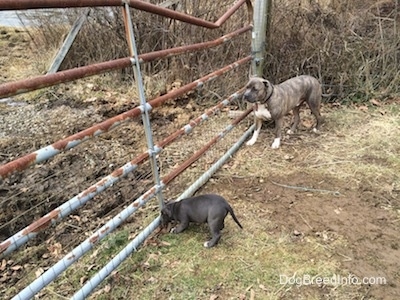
354,146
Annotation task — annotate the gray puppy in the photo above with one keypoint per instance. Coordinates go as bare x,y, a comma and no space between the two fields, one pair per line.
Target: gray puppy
276,101
208,208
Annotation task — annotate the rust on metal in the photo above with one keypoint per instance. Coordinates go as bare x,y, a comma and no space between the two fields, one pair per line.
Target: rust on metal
104,230
230,12
106,125
42,81
17,165
94,239
42,223
118,172
138,4
33,4
4,246
26,85
88,191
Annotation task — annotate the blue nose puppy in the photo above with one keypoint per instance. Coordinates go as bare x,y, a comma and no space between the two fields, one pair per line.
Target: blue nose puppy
208,208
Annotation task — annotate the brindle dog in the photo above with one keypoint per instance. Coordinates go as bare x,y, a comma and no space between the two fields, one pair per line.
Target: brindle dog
276,101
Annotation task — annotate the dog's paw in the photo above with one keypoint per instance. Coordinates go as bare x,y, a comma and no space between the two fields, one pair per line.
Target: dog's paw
276,144
250,142
206,244
173,230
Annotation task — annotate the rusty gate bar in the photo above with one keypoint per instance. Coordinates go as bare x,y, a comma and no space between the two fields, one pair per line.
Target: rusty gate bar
47,152
138,4
31,231
139,239
26,85
48,276
233,9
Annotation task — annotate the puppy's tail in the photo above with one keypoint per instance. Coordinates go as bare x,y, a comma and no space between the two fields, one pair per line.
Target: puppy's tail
234,217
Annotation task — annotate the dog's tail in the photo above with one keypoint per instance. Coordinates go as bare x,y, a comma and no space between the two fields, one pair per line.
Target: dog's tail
234,217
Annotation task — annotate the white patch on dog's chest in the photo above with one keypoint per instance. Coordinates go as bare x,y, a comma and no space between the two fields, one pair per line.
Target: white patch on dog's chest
262,112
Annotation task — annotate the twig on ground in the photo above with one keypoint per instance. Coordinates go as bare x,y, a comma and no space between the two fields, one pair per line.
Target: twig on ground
306,189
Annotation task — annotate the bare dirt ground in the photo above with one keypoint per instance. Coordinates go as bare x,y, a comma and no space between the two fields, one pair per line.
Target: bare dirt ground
337,192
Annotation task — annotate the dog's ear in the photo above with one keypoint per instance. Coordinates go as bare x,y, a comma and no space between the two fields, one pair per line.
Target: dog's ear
267,84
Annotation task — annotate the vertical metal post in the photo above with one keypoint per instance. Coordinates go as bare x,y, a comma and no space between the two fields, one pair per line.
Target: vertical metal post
145,107
262,12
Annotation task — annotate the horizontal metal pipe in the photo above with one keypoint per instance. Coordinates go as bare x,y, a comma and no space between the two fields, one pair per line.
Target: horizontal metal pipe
26,85
138,4
31,231
34,4
47,152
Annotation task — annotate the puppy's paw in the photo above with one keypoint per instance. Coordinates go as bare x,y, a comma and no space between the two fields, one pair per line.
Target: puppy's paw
173,230
250,142
315,130
276,144
207,244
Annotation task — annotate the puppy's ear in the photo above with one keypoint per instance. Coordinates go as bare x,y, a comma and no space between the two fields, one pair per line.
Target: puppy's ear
167,210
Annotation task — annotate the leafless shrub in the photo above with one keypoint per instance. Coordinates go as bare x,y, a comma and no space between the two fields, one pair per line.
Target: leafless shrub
352,46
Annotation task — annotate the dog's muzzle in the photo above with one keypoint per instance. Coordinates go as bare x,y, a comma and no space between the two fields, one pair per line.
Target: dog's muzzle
249,97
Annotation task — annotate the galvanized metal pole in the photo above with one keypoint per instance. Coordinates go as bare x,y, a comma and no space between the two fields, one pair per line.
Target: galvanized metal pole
146,107
262,12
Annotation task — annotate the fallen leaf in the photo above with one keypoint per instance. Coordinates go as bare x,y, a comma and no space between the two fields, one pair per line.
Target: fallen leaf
214,297
252,294
375,102
90,267
163,243
83,279
39,272
363,108
3,265
107,288
55,249
77,218
382,112
16,268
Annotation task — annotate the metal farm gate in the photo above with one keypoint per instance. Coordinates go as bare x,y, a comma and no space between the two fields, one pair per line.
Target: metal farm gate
154,153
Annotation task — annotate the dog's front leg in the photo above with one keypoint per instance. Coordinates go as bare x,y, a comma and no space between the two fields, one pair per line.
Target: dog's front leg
181,227
278,134
256,132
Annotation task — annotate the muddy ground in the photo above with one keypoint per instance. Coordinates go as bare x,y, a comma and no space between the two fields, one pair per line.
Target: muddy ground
356,217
